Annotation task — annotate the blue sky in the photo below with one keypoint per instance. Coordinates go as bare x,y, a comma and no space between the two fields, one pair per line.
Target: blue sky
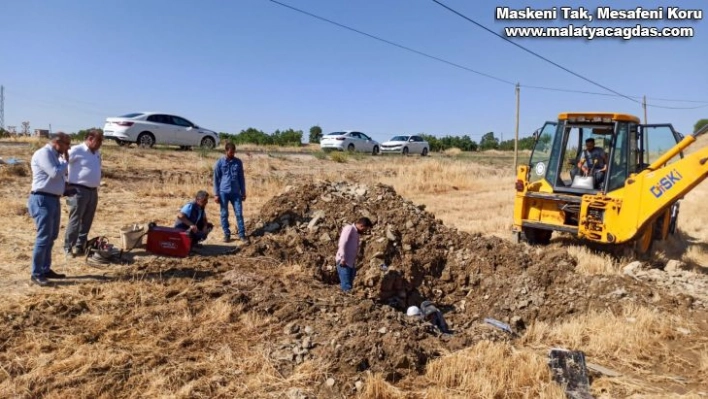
251,63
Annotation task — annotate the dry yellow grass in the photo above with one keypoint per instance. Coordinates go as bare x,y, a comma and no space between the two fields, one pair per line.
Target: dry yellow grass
638,343
491,370
592,262
453,151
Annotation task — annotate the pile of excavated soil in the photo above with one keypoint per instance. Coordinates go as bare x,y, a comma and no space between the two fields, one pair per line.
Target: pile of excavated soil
472,276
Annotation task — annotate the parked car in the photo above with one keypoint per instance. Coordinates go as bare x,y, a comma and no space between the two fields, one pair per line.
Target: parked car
406,145
349,141
149,128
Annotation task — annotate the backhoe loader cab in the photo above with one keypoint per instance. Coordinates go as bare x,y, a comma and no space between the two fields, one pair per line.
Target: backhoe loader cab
582,179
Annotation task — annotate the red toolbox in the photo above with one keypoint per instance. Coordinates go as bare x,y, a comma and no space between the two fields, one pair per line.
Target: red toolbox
168,241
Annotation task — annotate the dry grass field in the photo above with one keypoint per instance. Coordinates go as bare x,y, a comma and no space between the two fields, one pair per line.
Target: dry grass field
169,328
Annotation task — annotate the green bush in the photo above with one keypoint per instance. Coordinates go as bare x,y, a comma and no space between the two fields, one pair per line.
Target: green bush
286,138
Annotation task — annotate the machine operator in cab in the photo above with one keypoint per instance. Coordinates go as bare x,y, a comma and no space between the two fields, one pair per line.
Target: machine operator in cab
591,162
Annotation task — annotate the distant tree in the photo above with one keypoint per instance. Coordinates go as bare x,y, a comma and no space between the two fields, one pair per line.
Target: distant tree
488,142
465,143
315,134
223,136
288,138
700,124
251,135
525,143
4,133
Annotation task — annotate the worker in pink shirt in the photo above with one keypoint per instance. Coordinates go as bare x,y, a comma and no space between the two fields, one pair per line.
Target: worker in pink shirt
348,250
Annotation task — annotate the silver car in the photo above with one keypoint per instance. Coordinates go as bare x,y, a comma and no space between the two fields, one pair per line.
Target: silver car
349,141
150,128
406,145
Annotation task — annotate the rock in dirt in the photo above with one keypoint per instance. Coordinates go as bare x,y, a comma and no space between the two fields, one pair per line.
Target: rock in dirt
296,393
632,268
674,266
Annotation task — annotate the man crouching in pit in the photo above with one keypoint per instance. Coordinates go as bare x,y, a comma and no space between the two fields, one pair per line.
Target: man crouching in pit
193,217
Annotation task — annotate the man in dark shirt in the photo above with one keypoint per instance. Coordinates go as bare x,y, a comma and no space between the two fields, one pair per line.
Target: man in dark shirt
591,162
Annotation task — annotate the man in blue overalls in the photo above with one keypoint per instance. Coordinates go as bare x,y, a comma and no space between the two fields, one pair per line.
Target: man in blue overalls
230,188
193,217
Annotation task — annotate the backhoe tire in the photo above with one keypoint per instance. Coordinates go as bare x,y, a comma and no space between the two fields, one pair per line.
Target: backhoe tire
537,236
644,243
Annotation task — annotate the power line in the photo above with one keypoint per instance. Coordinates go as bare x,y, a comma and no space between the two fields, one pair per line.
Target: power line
668,107
616,93
705,103
679,101
481,73
533,52
393,44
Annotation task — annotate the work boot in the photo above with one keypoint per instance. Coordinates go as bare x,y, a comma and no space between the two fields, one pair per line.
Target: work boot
245,240
40,281
53,274
77,251
227,239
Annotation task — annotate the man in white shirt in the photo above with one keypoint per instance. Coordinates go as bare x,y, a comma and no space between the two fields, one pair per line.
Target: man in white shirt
85,177
48,185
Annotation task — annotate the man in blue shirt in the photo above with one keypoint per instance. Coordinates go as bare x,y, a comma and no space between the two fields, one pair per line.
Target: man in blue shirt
193,217
230,188
49,165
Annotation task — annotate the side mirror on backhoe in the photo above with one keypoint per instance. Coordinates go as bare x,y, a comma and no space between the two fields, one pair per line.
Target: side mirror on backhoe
536,135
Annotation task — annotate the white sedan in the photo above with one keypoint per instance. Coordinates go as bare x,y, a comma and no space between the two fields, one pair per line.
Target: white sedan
349,141
149,128
406,145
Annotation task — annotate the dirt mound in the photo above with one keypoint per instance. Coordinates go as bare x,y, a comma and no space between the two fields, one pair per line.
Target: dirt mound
473,275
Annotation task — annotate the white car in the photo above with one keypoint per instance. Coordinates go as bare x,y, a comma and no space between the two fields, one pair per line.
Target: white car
149,128
349,141
406,145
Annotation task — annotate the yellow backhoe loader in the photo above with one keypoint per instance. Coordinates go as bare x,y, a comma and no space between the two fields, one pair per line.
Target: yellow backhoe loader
605,178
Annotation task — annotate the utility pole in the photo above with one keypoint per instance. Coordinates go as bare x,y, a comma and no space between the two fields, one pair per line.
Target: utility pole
644,105
516,135
2,107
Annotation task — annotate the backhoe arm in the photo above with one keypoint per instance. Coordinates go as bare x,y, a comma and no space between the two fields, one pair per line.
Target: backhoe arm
652,191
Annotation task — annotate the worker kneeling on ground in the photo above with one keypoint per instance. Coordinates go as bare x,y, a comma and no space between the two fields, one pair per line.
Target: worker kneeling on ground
430,313
591,162
193,217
